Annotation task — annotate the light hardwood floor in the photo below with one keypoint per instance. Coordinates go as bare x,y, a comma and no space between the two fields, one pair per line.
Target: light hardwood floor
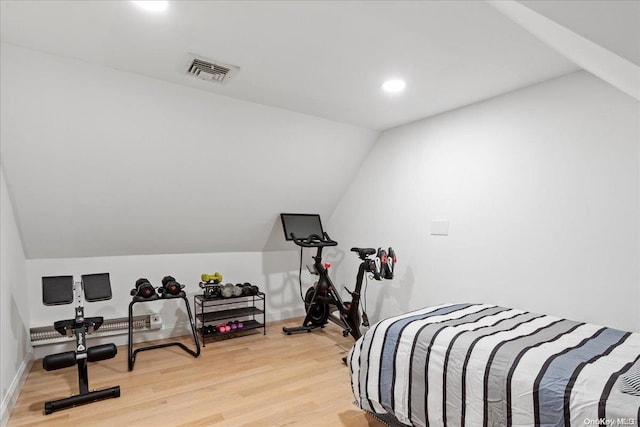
254,380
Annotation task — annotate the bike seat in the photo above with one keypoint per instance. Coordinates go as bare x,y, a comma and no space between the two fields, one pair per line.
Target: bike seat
364,252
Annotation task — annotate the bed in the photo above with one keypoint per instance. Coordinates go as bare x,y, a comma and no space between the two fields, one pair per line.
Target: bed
485,365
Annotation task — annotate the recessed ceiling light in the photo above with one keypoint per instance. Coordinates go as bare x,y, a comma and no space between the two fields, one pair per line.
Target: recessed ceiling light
152,6
394,86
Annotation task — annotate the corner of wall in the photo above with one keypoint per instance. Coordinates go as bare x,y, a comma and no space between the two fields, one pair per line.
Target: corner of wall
14,307
13,391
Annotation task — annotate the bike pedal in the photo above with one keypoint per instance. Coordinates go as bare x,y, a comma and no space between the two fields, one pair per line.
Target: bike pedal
365,320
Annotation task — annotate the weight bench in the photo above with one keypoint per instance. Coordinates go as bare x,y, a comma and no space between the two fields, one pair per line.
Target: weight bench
59,290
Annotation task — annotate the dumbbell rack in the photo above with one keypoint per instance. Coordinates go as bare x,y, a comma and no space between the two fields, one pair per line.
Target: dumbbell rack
249,308
133,353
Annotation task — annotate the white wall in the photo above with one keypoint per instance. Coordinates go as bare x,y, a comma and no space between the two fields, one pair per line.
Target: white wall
14,307
275,273
107,163
541,188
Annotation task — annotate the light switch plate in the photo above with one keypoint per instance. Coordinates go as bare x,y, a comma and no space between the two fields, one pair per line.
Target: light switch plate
440,227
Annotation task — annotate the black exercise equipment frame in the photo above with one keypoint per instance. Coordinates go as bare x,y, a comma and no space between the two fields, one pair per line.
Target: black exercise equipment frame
79,326
133,353
324,293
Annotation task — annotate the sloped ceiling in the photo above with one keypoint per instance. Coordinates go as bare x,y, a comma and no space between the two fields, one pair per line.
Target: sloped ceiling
101,162
108,147
613,25
618,67
323,58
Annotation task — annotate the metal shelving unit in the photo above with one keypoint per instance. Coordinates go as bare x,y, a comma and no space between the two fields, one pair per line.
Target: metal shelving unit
249,309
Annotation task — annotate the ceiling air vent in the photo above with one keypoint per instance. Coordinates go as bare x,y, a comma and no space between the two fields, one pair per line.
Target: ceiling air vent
209,70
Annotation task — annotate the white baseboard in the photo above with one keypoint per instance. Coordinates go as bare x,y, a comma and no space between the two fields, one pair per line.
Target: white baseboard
13,391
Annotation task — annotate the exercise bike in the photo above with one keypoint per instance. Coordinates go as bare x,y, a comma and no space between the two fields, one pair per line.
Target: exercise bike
322,301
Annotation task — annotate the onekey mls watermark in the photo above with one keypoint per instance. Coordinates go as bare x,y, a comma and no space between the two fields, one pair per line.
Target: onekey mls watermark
610,422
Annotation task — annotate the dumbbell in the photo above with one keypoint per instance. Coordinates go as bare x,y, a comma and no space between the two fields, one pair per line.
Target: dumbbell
237,290
143,289
249,289
254,289
212,291
391,262
211,278
246,289
170,286
237,325
227,290
224,328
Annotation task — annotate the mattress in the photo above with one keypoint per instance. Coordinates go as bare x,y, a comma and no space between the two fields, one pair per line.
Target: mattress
485,365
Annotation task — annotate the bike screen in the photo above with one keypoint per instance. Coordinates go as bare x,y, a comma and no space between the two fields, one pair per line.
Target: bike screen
301,225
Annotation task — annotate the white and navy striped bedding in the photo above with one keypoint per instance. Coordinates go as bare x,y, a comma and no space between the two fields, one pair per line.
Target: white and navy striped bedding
631,381
484,365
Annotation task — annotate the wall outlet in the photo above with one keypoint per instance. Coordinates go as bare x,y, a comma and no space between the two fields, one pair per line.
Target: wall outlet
156,321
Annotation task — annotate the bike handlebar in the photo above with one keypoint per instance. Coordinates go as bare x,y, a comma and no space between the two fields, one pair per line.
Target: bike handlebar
314,241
